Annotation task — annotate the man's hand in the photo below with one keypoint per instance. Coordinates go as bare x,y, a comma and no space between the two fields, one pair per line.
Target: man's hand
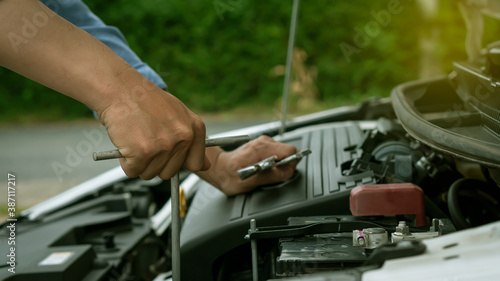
157,135
223,172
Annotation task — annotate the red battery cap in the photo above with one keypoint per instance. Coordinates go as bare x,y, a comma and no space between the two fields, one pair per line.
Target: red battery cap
388,200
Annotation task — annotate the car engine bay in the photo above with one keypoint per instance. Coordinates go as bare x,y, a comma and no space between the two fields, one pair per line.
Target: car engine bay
368,194
400,187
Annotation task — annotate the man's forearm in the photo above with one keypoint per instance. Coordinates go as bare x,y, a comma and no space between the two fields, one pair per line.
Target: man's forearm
48,49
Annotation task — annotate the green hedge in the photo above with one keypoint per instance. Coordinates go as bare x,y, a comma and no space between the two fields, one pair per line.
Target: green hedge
218,54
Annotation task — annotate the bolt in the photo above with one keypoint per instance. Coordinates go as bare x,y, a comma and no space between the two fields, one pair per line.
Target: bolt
402,228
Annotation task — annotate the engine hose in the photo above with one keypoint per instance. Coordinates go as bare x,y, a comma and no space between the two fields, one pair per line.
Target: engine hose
456,189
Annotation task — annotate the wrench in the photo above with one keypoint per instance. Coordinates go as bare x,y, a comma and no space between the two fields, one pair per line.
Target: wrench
270,162
232,140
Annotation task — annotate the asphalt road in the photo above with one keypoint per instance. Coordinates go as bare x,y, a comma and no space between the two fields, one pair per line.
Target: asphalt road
48,159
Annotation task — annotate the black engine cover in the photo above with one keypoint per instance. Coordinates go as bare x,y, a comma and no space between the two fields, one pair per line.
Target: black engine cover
216,224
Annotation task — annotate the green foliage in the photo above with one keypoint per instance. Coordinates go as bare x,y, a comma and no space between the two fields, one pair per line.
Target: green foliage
23,100
218,54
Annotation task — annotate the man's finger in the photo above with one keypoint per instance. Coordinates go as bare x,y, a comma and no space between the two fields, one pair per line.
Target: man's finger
195,156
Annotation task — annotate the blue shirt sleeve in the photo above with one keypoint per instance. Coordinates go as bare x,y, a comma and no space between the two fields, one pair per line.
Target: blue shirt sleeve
76,12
